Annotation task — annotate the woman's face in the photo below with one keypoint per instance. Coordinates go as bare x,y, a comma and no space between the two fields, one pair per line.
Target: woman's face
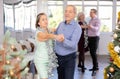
43,21
82,17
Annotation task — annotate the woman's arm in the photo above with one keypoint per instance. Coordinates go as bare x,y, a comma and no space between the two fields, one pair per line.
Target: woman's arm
84,26
45,36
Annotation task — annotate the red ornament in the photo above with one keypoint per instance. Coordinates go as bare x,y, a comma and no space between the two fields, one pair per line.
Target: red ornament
111,59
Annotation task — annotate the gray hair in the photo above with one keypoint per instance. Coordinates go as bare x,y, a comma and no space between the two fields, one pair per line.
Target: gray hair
79,14
74,8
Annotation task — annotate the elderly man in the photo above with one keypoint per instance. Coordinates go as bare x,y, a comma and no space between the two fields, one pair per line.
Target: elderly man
66,44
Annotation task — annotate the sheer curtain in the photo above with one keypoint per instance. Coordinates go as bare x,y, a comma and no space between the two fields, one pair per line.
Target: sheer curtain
19,17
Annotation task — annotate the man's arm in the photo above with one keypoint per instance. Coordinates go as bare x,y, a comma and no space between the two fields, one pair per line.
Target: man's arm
72,43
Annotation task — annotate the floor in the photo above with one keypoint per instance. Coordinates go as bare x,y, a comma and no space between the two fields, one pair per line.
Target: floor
103,62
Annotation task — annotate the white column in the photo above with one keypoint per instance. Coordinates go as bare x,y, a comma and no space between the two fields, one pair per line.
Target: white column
1,21
64,6
114,14
42,6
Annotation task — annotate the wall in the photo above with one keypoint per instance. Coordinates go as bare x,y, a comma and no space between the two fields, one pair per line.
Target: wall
1,21
105,38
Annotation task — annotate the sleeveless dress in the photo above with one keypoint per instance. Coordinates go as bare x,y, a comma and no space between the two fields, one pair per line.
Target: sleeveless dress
45,59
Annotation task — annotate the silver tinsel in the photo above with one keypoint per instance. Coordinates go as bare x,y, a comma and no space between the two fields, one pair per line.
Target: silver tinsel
86,38
52,58
52,63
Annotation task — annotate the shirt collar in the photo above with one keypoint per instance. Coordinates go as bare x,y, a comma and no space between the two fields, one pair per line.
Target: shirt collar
94,17
71,22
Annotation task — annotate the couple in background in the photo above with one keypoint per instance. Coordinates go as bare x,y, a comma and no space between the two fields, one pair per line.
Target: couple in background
89,39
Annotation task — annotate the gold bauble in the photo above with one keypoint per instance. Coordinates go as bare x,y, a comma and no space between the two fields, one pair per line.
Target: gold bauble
107,76
11,73
111,69
7,62
12,46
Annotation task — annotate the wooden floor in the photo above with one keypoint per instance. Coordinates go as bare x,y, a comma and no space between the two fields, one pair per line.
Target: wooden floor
103,62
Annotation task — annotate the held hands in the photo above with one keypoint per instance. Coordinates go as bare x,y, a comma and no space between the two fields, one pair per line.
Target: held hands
89,26
60,37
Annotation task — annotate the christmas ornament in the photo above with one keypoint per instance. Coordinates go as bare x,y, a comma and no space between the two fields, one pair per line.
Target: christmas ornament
117,49
7,62
12,46
11,72
115,36
18,58
107,76
111,69
111,59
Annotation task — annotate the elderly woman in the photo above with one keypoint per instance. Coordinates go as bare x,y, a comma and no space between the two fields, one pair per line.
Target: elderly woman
82,45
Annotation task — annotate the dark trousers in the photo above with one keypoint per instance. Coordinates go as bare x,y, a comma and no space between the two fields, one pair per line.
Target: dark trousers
66,66
93,45
81,58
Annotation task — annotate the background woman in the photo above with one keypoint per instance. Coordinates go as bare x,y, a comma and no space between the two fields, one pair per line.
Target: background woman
83,41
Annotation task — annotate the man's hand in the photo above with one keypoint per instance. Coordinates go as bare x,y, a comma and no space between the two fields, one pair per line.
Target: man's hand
60,38
90,26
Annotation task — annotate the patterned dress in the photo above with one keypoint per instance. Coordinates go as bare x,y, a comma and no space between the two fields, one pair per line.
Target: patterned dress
45,59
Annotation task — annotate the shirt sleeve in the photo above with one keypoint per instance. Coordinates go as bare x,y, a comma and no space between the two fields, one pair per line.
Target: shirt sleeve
96,26
72,43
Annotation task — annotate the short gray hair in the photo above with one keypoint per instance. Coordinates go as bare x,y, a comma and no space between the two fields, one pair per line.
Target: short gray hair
74,8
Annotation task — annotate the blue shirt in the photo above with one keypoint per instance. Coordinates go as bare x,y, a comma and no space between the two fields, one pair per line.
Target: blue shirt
72,33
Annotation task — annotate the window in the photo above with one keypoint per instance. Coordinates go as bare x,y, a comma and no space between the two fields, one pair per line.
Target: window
105,15
9,19
74,2
106,2
30,11
20,15
55,13
90,2
117,10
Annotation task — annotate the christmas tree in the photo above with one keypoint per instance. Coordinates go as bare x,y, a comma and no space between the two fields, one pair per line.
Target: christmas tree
12,62
113,70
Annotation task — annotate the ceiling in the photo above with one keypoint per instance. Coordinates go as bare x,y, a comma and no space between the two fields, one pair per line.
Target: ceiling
15,1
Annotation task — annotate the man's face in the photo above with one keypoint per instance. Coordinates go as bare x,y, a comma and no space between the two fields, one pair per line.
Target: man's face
69,13
92,14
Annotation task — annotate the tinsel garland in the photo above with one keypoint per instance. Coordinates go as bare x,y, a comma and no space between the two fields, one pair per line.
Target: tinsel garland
52,58
114,55
119,15
116,62
105,74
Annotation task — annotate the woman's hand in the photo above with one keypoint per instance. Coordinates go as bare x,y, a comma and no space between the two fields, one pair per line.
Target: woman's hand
60,37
